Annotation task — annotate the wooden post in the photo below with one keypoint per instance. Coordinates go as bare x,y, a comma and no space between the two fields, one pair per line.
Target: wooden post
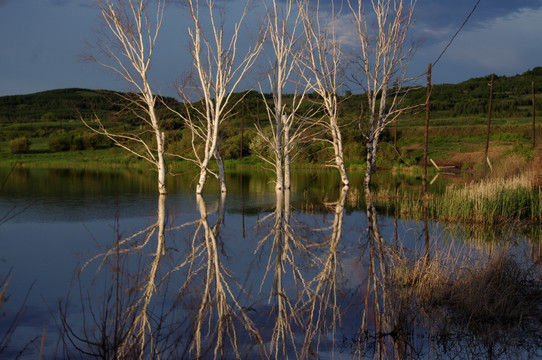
489,120
533,113
242,204
396,89
258,110
395,136
242,127
426,133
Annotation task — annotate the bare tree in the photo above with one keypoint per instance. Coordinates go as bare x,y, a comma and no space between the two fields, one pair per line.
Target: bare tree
383,60
322,59
126,47
216,74
287,127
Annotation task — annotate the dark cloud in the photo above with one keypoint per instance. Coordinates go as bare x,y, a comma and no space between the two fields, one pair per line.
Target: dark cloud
438,19
3,2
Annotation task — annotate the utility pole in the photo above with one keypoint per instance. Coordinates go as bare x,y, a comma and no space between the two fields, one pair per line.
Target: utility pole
489,120
534,116
395,88
242,126
426,133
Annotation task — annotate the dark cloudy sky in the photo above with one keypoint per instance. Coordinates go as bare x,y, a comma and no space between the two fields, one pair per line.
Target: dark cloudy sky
41,41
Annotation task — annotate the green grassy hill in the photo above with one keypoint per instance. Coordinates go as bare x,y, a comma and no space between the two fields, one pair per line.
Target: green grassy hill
50,121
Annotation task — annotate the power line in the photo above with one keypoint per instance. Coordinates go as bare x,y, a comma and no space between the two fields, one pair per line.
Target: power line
456,33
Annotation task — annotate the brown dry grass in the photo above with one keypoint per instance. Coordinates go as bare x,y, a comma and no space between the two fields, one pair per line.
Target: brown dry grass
484,295
471,158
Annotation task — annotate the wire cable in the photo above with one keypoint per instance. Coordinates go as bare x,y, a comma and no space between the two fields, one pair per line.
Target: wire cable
456,33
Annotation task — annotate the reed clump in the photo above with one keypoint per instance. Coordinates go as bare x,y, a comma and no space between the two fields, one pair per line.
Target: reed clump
491,201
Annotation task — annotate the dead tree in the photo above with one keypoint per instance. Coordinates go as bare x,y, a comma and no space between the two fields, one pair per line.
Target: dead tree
126,46
287,127
218,69
322,60
383,58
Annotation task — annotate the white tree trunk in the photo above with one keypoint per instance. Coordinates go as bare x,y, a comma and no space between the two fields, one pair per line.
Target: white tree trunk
218,69
201,180
279,160
339,153
372,147
279,173
161,163
126,47
382,57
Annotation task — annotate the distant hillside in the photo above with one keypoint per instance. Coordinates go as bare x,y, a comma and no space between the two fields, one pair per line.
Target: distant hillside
512,98
61,104
46,123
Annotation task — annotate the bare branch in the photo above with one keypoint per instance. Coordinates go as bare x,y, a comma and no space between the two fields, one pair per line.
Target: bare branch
218,70
125,46
382,63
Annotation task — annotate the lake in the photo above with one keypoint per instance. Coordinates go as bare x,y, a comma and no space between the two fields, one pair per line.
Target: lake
95,264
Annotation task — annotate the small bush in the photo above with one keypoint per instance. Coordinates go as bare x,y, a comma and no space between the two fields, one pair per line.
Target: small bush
231,147
61,143
20,145
77,143
90,141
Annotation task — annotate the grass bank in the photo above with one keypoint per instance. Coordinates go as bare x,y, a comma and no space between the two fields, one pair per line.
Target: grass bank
509,194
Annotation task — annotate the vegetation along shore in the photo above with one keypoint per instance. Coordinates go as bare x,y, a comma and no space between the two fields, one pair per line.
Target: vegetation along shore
44,129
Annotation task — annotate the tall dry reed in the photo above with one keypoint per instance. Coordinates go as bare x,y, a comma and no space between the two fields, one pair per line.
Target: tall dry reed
491,201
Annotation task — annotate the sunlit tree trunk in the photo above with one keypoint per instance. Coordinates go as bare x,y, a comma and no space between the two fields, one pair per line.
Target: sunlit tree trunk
383,57
217,71
286,127
322,58
287,161
126,47
161,161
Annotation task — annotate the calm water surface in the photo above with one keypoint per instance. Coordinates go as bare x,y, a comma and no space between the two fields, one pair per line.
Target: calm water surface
108,268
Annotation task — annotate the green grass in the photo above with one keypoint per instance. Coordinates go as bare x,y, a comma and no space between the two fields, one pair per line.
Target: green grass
488,202
448,136
71,158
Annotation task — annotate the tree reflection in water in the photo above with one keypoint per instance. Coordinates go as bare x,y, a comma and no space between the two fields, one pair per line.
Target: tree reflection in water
120,322
388,324
219,311
448,301
323,313
297,297
283,246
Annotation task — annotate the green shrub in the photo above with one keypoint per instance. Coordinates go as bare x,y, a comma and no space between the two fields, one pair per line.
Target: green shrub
231,147
61,143
259,146
90,141
77,143
20,145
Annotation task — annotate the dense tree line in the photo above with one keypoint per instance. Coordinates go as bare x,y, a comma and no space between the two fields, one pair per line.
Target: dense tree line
512,96
468,98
